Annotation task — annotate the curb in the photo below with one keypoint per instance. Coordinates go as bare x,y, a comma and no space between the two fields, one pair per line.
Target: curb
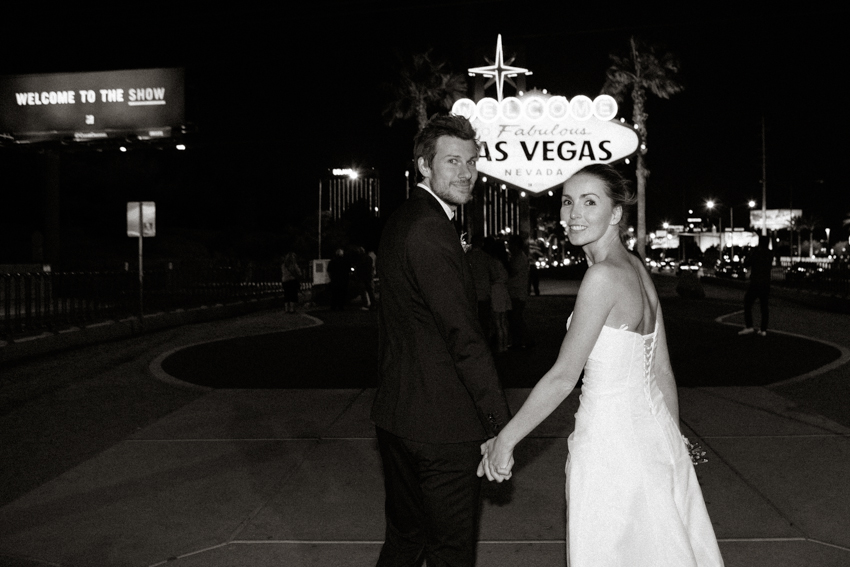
27,347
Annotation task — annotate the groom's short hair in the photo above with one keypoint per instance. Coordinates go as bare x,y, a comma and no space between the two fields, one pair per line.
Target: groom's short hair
425,143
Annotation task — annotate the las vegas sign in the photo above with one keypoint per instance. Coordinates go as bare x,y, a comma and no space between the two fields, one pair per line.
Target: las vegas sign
535,142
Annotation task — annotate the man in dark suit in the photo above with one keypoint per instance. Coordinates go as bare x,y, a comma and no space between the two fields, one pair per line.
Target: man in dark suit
439,397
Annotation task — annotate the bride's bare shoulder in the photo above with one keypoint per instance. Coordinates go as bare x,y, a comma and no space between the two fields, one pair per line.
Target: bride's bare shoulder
606,278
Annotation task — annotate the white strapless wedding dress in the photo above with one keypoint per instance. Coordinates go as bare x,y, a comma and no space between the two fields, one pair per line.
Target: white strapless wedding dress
633,499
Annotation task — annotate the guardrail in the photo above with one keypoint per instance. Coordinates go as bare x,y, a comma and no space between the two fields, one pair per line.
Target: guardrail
34,303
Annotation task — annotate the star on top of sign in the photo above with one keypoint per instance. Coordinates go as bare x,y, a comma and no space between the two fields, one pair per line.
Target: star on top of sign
499,70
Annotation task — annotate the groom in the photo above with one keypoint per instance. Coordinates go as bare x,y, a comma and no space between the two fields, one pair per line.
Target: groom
439,395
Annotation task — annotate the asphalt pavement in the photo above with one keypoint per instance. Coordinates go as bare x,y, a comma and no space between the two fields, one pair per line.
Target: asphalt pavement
246,441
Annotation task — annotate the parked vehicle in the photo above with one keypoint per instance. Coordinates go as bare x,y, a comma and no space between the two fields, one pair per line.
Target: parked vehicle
667,265
731,269
690,266
803,271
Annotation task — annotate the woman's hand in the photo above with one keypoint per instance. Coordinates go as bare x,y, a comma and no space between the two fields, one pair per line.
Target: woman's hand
497,460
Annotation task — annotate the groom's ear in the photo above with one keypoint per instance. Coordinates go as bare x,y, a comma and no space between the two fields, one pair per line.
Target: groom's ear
423,167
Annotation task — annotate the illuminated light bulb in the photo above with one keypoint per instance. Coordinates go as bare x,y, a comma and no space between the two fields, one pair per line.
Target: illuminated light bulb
550,193
504,186
545,91
180,147
123,149
522,194
484,179
627,161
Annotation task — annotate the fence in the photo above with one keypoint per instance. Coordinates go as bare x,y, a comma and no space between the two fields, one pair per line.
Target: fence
33,303
821,276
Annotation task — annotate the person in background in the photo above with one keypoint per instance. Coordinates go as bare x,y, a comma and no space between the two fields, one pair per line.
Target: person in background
759,261
479,262
291,277
339,272
534,278
499,297
518,291
364,274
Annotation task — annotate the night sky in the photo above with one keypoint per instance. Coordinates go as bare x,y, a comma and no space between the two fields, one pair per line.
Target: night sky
277,96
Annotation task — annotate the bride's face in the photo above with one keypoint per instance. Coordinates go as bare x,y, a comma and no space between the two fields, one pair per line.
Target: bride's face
587,212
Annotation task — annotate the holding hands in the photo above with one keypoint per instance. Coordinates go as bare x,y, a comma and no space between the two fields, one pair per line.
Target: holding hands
497,460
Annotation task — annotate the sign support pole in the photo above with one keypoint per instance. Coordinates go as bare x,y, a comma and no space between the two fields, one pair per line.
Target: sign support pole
141,270
319,255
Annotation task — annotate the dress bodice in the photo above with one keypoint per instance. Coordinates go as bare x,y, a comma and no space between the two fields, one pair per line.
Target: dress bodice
620,366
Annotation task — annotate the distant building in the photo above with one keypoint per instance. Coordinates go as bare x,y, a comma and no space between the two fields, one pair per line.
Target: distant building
345,187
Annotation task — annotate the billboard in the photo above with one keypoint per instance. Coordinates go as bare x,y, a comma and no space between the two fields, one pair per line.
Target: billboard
88,106
537,141
777,219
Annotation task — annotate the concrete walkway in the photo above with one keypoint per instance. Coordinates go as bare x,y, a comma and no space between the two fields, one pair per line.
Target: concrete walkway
292,477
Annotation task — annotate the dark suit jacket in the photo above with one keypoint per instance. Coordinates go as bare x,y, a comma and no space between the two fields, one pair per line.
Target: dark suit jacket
438,380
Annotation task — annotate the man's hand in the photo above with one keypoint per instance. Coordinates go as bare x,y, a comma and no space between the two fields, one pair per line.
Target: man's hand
490,468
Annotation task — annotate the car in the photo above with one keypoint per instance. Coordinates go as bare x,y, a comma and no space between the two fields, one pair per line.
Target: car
692,266
667,265
731,269
803,271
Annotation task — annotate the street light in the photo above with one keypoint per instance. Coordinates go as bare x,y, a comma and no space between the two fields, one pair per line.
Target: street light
710,205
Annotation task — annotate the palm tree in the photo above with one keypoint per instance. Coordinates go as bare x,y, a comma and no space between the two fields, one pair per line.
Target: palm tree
795,224
424,86
645,68
810,223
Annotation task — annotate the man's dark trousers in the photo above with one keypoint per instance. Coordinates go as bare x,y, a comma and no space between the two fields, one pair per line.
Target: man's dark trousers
429,521
760,291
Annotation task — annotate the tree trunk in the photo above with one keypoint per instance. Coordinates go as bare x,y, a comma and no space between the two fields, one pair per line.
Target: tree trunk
640,246
639,117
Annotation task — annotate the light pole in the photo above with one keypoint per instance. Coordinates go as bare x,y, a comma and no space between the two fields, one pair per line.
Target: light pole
710,204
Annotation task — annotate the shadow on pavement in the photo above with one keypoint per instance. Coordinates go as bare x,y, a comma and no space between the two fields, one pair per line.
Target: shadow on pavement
343,353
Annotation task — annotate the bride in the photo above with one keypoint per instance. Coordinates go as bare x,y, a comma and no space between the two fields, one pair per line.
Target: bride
632,494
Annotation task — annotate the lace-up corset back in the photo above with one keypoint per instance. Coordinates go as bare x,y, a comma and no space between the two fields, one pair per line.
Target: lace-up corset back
620,364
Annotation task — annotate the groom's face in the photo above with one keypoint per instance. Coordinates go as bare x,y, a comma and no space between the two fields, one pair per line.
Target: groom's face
452,173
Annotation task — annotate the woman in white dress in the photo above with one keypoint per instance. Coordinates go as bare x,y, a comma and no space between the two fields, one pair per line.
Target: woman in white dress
632,495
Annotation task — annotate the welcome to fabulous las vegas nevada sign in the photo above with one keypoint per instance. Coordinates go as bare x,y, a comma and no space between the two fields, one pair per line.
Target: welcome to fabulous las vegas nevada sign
536,141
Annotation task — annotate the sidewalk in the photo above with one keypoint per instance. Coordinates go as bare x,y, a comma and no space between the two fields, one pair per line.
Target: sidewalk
292,477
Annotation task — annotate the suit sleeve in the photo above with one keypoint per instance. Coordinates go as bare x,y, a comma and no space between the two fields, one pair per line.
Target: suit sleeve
440,271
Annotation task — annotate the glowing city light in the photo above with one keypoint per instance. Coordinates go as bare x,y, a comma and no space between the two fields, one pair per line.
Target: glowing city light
340,172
